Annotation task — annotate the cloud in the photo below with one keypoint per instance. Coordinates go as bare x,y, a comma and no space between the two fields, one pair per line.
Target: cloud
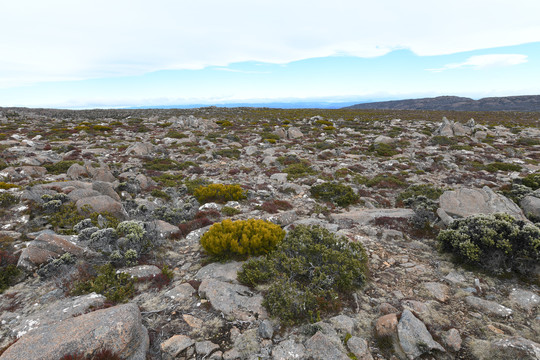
66,39
486,61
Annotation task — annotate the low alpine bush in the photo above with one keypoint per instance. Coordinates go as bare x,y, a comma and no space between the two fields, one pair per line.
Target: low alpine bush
339,194
497,243
241,238
220,193
310,272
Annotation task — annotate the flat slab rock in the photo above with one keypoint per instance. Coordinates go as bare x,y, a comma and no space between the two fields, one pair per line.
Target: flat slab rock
365,216
58,311
489,307
233,300
118,329
218,271
45,247
465,202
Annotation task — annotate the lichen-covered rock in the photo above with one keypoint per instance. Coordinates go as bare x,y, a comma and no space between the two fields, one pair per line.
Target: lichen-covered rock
118,329
99,204
46,247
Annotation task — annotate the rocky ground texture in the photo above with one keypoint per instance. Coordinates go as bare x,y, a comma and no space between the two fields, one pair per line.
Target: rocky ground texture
85,188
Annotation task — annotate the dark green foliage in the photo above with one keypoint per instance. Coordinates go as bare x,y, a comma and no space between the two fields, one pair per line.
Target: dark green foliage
442,140
230,211
166,164
515,192
298,170
103,354
67,217
175,134
382,149
61,167
7,199
501,166
528,141
381,181
532,180
160,194
309,272
229,153
414,191
497,243
169,180
339,194
115,287
8,274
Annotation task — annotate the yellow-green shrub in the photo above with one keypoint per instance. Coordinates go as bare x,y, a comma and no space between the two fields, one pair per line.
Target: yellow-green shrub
241,238
219,193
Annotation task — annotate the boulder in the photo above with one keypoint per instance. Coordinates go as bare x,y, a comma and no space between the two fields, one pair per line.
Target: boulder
531,206
294,133
488,307
414,337
223,272
365,216
465,202
46,247
233,300
118,329
141,149
321,347
102,203
288,350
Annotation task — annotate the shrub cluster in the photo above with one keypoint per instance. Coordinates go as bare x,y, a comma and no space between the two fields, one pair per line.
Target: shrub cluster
339,194
61,167
8,270
414,191
310,272
501,166
241,238
219,193
532,180
497,243
273,206
116,287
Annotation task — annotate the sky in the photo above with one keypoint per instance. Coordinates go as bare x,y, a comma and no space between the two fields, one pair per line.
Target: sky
127,53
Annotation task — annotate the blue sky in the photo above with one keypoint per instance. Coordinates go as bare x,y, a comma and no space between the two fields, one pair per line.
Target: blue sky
166,52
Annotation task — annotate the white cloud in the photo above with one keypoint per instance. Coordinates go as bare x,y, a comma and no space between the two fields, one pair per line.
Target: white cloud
486,61
66,39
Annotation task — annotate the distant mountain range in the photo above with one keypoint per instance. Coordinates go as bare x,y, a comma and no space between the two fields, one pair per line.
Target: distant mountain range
507,103
281,105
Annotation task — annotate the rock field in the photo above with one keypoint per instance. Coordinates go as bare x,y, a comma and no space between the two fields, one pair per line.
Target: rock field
132,175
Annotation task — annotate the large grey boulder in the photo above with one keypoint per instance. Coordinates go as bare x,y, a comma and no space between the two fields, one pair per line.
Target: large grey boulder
234,300
141,149
101,203
118,329
321,347
45,247
465,202
531,206
488,307
414,337
57,311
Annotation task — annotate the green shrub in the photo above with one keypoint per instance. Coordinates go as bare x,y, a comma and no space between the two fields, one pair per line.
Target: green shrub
101,128
61,167
381,181
310,272
497,243
382,149
166,164
219,193
7,199
8,274
339,194
175,134
229,153
230,211
501,166
532,180
298,170
67,216
414,191
116,287
241,238
160,194
169,180
442,140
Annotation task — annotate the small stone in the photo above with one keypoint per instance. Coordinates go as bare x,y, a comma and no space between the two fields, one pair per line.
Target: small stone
205,347
359,347
288,350
266,330
386,308
414,337
176,344
452,339
437,290
386,325
192,321
495,329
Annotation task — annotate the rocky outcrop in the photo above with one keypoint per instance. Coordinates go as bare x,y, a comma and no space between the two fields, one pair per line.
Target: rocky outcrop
45,247
118,329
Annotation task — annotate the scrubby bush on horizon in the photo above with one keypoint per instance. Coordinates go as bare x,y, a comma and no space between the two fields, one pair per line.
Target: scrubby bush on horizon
310,272
220,193
339,194
241,238
497,243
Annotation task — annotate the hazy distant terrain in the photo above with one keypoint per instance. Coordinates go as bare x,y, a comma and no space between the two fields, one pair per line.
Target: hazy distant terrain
508,103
